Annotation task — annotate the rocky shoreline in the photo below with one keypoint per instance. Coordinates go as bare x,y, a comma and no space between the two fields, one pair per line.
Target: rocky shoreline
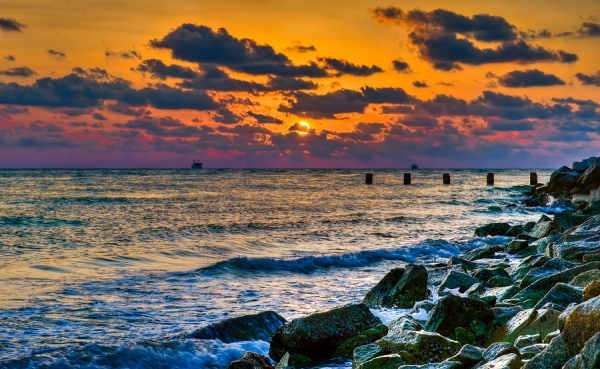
533,303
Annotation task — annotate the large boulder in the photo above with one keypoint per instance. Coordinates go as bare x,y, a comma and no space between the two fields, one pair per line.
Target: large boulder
419,347
468,355
513,328
483,252
562,181
589,357
581,166
400,288
259,326
454,280
316,336
370,335
510,361
495,350
383,362
492,229
578,241
566,220
591,290
549,268
585,278
530,262
581,324
486,274
561,294
591,174
553,357
452,312
251,360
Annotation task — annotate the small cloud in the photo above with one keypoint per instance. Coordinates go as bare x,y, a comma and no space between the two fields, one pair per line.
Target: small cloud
302,49
56,54
99,116
10,58
11,25
420,84
78,124
401,66
97,125
18,72
131,54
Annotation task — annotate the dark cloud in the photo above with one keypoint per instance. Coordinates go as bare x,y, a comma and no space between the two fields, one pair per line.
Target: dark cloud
401,66
10,58
529,78
264,119
7,110
290,84
38,126
124,109
385,95
226,116
511,125
302,48
11,25
342,67
98,116
78,124
131,54
589,79
162,127
158,69
56,54
420,84
570,100
75,112
18,72
200,44
97,125
416,121
297,127
589,29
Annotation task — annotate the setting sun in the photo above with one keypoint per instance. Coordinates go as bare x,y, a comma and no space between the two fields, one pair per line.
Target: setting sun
304,124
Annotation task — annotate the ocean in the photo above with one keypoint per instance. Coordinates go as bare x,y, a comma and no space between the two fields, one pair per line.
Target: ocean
114,268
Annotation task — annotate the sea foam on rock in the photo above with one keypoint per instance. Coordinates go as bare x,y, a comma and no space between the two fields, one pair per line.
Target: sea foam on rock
259,326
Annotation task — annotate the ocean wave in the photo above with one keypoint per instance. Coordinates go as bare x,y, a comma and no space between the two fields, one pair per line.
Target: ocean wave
309,264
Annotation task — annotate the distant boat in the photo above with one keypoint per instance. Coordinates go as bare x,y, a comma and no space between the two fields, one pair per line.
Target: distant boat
197,164
414,167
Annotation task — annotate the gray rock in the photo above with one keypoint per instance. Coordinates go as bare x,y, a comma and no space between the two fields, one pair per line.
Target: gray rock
468,265
541,230
316,336
524,341
550,336
545,321
475,290
419,347
437,275
468,355
591,174
504,314
516,245
561,294
562,181
578,241
383,362
405,323
549,268
458,280
585,278
530,262
567,220
543,245
531,351
513,328
365,353
492,229
553,357
591,291
260,326
400,288
365,337
589,357
581,166
444,365
510,361
500,282
495,350
483,252
485,274
251,360
581,324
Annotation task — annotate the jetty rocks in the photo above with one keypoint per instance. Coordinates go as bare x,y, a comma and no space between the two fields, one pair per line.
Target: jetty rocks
530,300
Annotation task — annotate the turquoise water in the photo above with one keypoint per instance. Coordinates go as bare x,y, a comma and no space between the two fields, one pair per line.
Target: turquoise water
113,268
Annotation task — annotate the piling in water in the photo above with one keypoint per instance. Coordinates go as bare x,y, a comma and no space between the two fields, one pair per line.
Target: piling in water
406,178
369,179
490,179
446,178
533,180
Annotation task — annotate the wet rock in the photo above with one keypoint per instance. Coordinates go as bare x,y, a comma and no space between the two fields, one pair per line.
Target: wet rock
591,174
562,294
514,231
589,357
578,241
468,355
468,265
251,360
504,314
284,362
531,351
550,336
498,349
419,347
365,353
585,278
528,340
458,280
545,321
259,326
437,275
549,268
581,324
588,258
510,361
581,166
483,252
562,181
567,220
541,230
452,312
516,245
485,274
591,290
370,335
500,282
475,290
512,329
316,336
553,357
534,261
543,245
405,323
492,229
400,288
444,365
383,362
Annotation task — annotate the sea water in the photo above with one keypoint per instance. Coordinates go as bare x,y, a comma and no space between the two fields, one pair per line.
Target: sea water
115,268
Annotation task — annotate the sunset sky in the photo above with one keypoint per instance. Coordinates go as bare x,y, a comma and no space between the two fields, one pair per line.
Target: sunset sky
324,84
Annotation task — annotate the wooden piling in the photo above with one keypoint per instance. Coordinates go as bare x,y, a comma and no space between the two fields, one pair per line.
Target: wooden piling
369,179
406,178
533,180
446,178
490,179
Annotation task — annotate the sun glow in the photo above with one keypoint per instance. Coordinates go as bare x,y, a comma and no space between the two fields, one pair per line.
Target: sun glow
304,124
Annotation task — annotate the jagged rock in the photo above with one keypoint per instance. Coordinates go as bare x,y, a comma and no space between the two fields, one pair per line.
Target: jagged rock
581,166
365,353
588,258
530,262
452,312
483,252
538,289
259,326
504,314
370,335
419,347
475,290
546,321
581,324
437,275
383,362
591,290
316,336
562,294
444,365
284,362
516,245
591,174
527,340
550,336
492,229
585,278
495,350
514,231
543,245
400,288
567,220
553,357
510,361
422,305
589,357
405,323
500,282
551,267
468,265
485,274
458,280
512,329
251,360
468,355
541,229
529,352
562,181
578,241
